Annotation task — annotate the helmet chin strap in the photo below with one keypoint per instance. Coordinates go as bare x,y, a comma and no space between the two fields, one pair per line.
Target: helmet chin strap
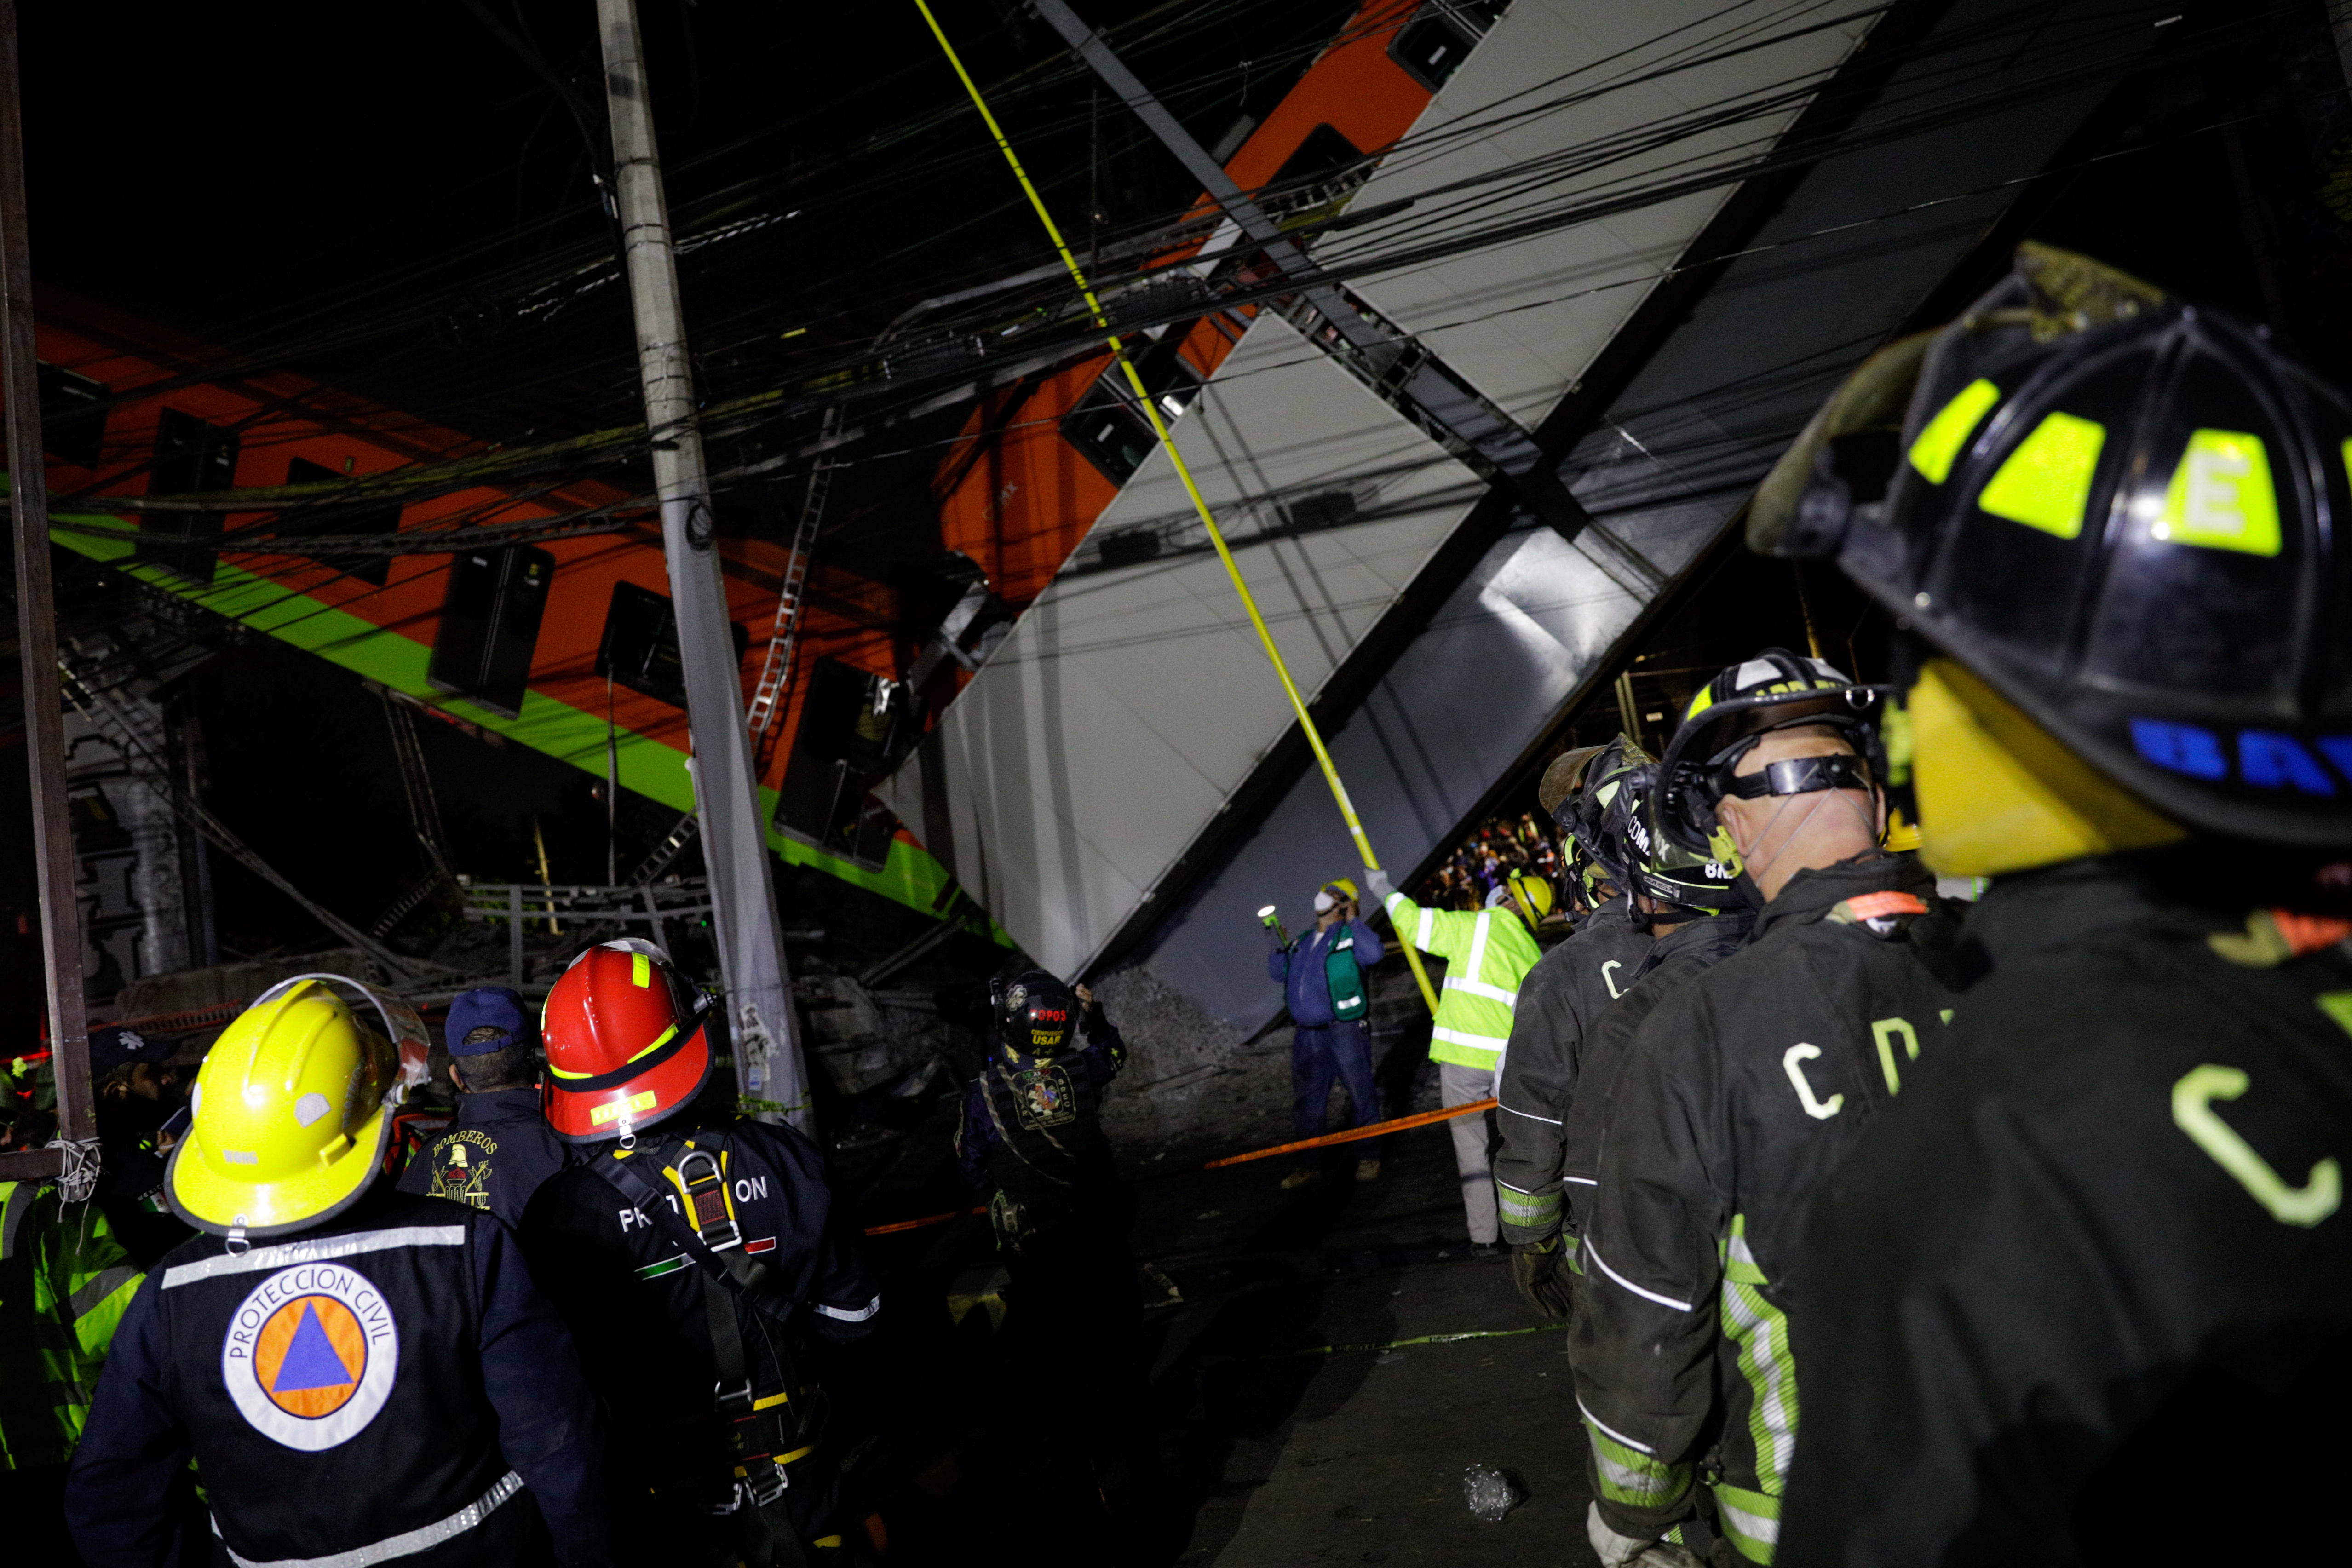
1758,862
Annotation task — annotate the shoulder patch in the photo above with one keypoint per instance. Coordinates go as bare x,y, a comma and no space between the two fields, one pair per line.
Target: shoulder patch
2272,937
1880,914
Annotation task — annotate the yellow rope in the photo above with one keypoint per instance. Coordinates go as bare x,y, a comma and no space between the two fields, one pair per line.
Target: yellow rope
1185,474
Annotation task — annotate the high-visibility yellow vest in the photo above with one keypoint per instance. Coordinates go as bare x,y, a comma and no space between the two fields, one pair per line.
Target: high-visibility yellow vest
1487,955
65,1283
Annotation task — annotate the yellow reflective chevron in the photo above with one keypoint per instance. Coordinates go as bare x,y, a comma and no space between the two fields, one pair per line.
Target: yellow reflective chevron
2046,483
1939,446
1887,1031
641,971
2322,1192
2220,497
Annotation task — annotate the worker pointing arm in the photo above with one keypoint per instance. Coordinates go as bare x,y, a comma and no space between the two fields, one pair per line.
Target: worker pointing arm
1487,954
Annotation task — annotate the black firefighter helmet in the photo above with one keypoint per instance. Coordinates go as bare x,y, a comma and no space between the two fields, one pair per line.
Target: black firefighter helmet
1036,1015
2119,512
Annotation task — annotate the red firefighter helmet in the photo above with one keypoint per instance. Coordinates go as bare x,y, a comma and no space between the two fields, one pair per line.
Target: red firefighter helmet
627,1045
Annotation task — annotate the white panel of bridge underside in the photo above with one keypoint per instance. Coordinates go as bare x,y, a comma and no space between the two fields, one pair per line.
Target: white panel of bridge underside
1564,107
1129,701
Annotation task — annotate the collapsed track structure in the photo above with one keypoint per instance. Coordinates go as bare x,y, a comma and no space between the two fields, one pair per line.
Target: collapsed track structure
1495,322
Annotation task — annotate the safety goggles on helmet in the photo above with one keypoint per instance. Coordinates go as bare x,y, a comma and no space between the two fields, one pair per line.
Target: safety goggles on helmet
628,1042
2123,515
1036,1015
291,1113
1775,690
1655,866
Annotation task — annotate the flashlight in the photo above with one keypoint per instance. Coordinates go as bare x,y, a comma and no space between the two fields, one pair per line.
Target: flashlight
1267,914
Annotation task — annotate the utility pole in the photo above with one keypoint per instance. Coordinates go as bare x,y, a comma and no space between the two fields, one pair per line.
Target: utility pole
726,792
37,640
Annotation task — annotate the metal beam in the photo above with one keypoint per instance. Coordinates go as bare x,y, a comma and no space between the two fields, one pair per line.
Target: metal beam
36,629
726,795
1443,399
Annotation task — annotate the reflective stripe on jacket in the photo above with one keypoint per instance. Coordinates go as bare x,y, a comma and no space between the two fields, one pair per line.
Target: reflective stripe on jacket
64,1285
1487,955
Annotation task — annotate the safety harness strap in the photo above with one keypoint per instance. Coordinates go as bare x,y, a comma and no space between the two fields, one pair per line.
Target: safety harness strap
715,1243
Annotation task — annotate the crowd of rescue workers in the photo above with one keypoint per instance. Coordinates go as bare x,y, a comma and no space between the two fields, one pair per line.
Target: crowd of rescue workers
1971,1049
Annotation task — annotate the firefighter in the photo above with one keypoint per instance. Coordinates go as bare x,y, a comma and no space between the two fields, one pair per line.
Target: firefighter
1736,1096
359,1375
65,1283
1697,911
2084,1290
499,1148
1561,999
1488,955
1032,1134
704,1267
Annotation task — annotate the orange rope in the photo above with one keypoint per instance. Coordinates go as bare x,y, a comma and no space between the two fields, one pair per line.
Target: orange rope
1374,1131
1350,1137
926,1219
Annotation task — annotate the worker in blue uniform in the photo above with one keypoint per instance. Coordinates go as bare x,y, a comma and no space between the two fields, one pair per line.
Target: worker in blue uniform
359,1376
499,1148
1324,984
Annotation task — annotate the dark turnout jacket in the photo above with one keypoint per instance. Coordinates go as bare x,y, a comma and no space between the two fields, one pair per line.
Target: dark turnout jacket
1740,1095
494,1155
389,1377
2084,1293
1560,1001
1674,960
1032,1129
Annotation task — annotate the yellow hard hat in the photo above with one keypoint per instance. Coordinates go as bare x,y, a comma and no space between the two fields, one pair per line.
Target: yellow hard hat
290,1115
1534,894
1344,885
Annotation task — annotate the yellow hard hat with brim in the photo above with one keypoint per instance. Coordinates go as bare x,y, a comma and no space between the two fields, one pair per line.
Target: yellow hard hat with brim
291,1112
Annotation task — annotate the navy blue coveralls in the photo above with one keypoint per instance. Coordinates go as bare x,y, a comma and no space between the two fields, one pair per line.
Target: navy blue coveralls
1325,1046
640,1307
389,1379
493,1156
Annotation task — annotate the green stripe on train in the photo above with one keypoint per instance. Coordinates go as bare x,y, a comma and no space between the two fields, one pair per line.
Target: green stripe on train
908,875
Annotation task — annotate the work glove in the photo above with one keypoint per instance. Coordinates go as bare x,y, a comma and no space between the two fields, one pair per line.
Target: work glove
1540,1271
1378,884
1617,1550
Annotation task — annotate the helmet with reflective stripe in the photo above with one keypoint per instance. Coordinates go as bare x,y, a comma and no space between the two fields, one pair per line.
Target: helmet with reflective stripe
1774,690
1609,821
2118,512
627,1042
292,1110
1586,787
1036,1015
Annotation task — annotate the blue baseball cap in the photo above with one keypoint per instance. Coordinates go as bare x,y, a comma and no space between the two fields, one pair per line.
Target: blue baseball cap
114,1046
492,1007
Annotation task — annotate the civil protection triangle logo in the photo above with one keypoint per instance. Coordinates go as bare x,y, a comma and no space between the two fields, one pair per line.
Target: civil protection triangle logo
310,1355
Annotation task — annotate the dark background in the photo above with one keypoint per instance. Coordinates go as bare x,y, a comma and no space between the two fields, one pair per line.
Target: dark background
371,194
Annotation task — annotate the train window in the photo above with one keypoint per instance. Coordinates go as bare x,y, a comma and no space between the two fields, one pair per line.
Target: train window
1323,154
639,649
73,416
191,458
851,724
1433,45
1108,427
339,518
483,648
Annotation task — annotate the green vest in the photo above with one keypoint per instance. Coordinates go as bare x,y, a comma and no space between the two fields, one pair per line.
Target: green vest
65,1283
1344,976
